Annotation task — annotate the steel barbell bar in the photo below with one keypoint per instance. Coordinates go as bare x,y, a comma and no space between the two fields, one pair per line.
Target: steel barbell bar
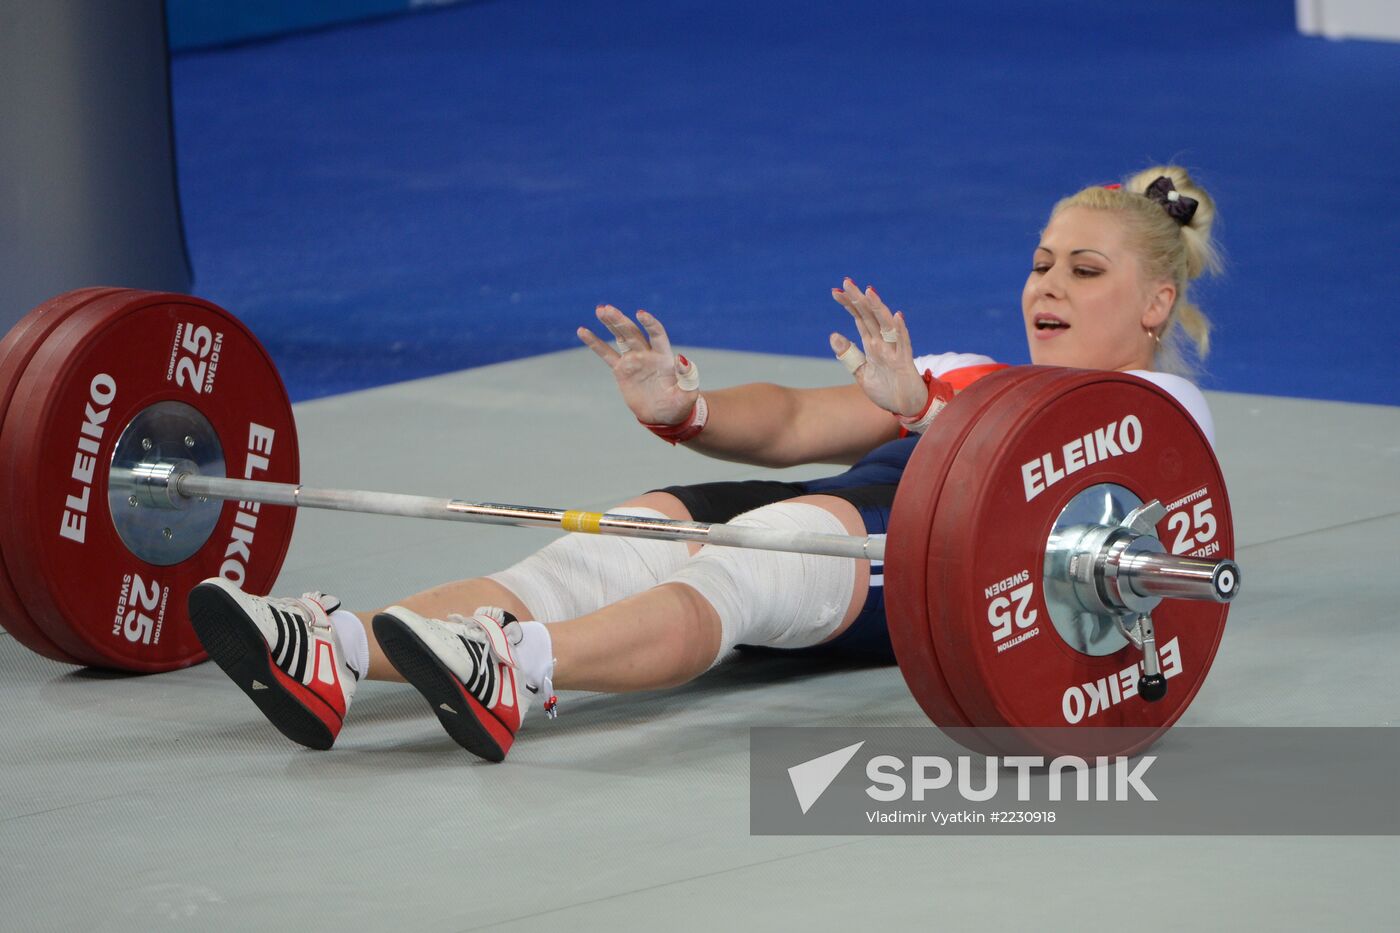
174,484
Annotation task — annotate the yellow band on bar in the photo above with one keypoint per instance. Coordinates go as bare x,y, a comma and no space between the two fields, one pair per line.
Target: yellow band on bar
586,522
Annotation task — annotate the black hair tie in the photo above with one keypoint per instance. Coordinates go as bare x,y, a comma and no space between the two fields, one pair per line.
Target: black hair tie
1177,205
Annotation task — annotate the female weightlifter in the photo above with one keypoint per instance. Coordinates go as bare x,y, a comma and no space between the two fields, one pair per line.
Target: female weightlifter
1107,290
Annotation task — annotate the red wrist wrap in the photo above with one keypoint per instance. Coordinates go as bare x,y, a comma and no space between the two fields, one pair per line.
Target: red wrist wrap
693,424
940,394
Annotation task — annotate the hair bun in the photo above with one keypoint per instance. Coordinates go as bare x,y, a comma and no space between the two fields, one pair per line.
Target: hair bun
1201,253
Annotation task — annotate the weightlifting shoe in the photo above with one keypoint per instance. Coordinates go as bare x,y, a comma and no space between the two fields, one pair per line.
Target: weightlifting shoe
284,653
466,669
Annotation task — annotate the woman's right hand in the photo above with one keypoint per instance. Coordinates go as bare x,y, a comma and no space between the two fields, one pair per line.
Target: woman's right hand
885,371
659,386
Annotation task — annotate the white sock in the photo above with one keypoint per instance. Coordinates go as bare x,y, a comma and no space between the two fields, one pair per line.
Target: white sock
535,656
353,640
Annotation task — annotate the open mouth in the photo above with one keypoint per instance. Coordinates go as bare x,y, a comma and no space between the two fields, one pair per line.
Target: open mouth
1047,322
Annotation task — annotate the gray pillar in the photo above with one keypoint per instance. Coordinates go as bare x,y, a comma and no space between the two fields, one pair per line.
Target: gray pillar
87,167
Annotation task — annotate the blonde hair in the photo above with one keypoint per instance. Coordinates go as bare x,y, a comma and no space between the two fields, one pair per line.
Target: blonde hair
1168,251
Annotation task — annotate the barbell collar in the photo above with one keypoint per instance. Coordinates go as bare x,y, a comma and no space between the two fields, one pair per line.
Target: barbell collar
148,483
1173,576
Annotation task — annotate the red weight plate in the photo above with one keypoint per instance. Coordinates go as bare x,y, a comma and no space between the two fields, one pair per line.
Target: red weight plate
1007,665
909,602
97,370
15,352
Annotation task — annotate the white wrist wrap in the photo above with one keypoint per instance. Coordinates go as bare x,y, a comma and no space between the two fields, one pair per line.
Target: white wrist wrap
940,394
920,425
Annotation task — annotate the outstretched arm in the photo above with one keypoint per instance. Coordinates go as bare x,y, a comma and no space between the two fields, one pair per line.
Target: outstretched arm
777,426
759,423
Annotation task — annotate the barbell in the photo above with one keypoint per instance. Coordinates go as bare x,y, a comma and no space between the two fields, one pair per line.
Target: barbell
1057,556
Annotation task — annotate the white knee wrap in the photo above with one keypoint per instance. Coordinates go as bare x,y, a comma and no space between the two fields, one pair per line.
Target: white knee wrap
774,598
581,573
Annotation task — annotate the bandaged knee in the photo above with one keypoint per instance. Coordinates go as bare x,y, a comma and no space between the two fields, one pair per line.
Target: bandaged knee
777,599
581,573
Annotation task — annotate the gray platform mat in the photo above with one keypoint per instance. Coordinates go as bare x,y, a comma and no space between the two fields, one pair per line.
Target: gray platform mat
165,802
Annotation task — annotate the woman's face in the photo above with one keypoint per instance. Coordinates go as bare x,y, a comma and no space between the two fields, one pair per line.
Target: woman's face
1086,303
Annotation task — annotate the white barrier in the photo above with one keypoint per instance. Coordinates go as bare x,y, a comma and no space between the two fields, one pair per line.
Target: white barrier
1349,19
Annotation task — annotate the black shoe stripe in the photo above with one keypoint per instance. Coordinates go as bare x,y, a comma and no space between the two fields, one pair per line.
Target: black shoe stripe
304,638
296,664
281,645
473,649
488,684
484,677
286,623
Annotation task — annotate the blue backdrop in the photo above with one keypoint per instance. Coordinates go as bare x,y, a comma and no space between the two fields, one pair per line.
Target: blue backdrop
461,186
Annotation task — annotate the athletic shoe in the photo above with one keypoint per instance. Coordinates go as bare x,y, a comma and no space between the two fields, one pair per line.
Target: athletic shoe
283,653
466,670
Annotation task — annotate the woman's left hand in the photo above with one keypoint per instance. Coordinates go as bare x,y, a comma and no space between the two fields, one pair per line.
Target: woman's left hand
887,375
